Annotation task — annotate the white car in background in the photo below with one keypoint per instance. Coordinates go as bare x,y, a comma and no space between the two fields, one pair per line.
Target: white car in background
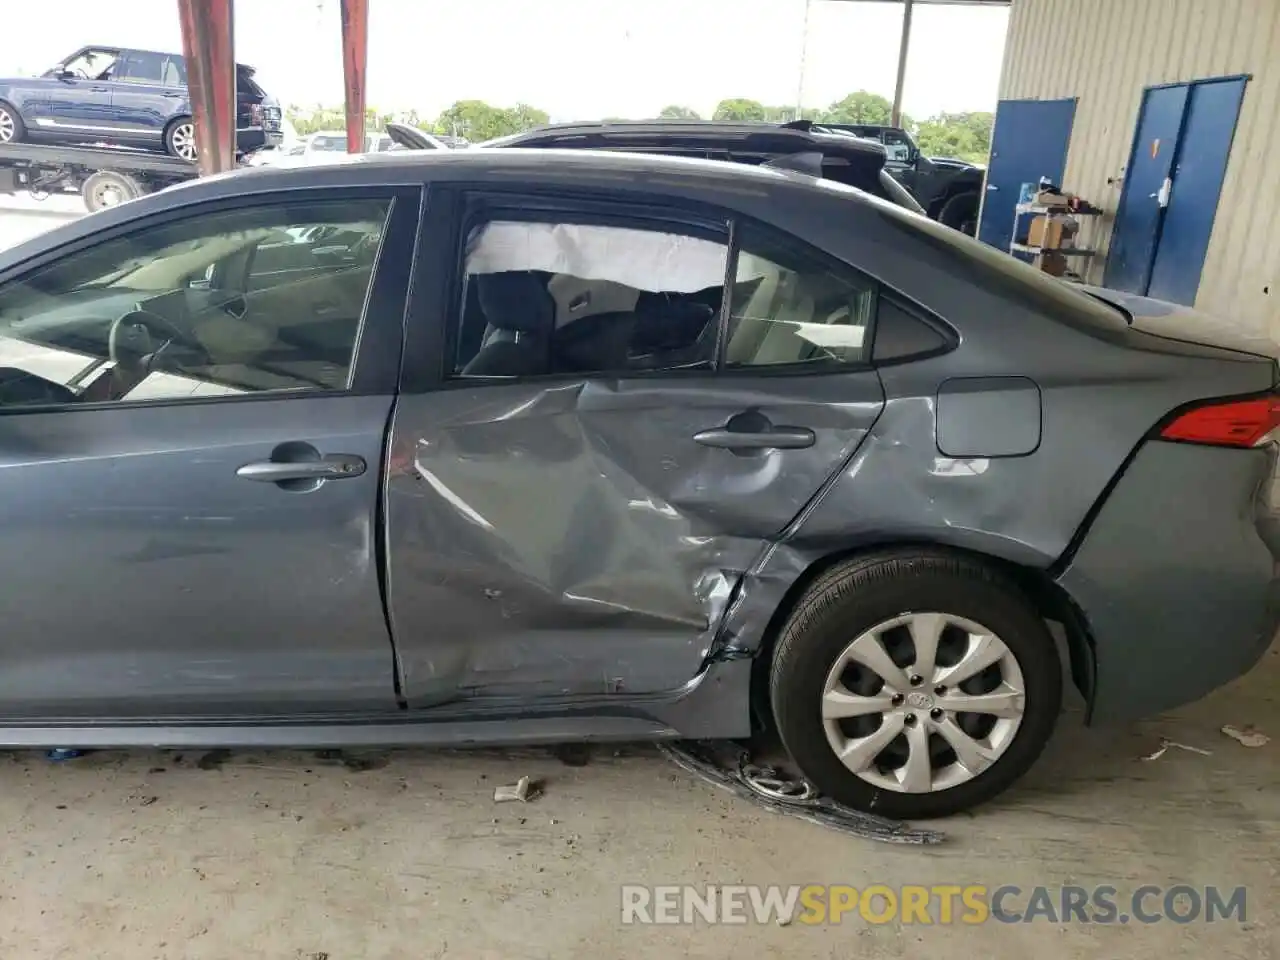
326,143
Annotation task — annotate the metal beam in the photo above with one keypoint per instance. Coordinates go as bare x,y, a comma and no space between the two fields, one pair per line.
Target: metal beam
896,116
207,45
355,56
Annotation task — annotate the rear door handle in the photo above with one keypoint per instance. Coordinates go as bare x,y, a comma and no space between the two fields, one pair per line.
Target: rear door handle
335,466
775,438
99,89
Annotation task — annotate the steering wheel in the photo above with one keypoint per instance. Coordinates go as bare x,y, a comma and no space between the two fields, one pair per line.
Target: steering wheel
133,344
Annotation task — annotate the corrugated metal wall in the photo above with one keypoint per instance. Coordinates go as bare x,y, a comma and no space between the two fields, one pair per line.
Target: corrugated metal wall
1105,52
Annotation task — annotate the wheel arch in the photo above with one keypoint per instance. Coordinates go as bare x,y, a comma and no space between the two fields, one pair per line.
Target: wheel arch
1050,601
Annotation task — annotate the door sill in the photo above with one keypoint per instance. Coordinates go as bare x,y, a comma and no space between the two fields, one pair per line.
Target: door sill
714,706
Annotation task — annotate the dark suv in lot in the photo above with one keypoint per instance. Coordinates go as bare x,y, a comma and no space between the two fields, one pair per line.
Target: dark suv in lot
834,156
949,190
135,98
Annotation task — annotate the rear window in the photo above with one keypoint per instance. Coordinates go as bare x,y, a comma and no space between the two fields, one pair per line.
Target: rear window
245,82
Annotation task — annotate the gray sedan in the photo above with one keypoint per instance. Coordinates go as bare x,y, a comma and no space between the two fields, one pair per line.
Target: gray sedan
511,446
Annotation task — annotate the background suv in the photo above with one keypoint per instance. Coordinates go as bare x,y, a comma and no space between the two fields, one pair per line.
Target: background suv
841,157
135,98
949,190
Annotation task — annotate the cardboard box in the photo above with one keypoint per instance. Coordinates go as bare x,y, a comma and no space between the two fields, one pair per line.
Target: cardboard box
1050,232
1054,264
1048,198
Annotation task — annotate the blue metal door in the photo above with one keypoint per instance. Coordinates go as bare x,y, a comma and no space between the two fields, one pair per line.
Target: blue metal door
1029,142
1201,165
1142,203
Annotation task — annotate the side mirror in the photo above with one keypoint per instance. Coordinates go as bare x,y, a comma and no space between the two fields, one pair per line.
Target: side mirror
62,73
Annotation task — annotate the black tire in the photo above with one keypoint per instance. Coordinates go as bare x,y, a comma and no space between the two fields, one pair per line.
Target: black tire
961,213
107,188
179,139
11,121
854,597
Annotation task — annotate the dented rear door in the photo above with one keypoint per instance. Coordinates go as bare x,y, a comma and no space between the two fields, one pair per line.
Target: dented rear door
583,535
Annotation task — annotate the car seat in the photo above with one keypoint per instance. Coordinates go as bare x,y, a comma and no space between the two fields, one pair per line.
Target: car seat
521,313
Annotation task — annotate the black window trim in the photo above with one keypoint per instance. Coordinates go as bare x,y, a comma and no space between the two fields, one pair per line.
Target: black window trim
374,371
950,339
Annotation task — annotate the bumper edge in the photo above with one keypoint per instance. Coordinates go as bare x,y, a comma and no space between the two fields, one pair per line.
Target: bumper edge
1180,590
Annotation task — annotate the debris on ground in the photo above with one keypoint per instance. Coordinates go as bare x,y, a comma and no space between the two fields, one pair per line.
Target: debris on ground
573,754
214,759
780,793
1247,736
523,790
1167,745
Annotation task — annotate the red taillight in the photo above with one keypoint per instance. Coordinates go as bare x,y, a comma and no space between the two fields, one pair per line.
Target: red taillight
1232,423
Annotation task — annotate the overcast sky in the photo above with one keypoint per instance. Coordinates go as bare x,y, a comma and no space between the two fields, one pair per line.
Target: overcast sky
576,59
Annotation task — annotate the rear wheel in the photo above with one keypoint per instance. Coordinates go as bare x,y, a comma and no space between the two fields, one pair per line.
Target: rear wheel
914,684
961,213
180,139
107,188
12,129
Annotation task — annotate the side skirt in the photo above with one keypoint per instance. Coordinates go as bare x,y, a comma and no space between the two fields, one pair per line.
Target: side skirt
714,705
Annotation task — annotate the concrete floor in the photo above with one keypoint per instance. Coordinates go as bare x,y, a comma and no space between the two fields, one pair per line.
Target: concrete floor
285,855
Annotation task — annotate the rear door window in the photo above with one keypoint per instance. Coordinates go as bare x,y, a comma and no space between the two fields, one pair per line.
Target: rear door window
139,66
560,296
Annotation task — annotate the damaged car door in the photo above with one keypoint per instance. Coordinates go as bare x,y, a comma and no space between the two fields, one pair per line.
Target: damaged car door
631,407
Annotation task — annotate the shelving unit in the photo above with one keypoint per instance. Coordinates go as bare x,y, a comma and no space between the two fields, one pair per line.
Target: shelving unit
1025,209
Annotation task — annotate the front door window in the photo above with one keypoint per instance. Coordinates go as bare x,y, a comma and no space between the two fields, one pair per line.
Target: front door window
263,299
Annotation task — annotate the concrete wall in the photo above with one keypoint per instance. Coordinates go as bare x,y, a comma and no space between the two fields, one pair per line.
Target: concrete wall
1105,52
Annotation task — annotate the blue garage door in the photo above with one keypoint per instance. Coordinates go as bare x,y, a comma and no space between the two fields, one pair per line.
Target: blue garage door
1030,141
1165,218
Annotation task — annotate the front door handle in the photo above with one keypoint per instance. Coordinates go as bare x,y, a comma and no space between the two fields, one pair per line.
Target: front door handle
99,89
335,466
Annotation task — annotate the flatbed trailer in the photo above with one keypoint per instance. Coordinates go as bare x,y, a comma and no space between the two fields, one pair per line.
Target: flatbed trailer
104,176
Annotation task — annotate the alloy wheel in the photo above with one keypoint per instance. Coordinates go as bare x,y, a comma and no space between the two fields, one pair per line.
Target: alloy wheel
108,195
183,140
7,126
923,702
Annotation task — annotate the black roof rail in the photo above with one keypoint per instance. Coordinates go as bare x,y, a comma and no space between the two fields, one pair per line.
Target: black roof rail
805,125
809,161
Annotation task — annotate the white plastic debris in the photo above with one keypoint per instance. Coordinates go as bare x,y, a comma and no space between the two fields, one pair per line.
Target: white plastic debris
516,791
1248,736
1166,745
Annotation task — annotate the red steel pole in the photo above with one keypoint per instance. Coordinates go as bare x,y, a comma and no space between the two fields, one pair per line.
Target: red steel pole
355,54
207,45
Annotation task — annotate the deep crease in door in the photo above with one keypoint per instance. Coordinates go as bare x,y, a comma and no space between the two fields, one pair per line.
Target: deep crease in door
571,538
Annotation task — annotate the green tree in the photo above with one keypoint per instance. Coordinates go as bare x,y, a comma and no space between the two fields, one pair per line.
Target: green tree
479,121
861,106
526,117
738,108
676,112
965,136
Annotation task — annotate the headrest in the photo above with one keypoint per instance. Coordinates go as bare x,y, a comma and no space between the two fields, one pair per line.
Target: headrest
516,300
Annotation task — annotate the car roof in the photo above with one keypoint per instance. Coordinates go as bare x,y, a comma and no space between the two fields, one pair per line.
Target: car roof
761,135
692,177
